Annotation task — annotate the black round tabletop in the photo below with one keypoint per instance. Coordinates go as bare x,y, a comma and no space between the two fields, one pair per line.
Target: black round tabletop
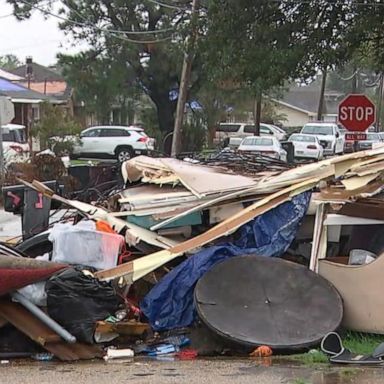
253,300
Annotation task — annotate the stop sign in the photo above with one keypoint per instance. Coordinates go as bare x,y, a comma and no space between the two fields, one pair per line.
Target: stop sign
357,113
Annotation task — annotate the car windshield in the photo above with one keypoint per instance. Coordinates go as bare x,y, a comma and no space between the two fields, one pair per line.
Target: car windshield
263,141
373,136
303,138
318,129
14,135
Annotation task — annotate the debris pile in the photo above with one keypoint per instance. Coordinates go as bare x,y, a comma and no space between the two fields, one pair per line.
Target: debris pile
189,247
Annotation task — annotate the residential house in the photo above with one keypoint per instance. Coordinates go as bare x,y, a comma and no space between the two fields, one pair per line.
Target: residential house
46,81
26,101
299,104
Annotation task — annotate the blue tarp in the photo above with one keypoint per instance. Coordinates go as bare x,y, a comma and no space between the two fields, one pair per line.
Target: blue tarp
170,304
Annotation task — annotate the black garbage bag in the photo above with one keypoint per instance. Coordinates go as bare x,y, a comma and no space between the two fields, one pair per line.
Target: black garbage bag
77,301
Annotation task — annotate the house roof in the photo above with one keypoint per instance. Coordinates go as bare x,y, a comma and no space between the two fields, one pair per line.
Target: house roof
46,81
306,98
40,73
20,94
9,76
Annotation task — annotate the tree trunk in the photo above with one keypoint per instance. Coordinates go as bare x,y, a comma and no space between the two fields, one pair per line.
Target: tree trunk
184,82
321,99
165,114
257,113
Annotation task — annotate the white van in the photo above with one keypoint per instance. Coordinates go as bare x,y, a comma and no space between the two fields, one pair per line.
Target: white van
232,134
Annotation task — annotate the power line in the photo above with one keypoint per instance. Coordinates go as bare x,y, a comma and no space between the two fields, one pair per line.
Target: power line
106,31
4,16
120,31
166,5
331,2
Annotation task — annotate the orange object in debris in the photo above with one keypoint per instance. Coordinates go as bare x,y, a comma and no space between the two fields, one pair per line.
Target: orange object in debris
103,226
262,351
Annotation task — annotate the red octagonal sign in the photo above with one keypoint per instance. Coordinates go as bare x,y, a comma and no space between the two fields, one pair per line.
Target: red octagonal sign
357,113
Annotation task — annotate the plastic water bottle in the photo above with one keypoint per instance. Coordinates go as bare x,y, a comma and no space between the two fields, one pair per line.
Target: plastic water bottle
43,356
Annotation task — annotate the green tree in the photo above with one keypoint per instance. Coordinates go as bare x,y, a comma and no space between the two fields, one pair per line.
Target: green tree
260,44
144,36
54,127
9,62
101,83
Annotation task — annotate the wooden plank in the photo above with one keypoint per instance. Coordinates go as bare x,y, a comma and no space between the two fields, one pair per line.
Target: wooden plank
136,269
37,331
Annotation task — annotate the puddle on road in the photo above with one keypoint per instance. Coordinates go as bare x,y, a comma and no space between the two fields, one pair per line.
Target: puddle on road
288,370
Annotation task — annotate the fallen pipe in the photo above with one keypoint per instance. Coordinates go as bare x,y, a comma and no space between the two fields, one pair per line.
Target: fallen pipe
44,318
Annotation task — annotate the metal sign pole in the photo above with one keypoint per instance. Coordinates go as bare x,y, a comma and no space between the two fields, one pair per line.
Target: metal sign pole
1,153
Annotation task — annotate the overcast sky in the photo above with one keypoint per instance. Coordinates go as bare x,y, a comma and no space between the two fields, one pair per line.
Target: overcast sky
35,37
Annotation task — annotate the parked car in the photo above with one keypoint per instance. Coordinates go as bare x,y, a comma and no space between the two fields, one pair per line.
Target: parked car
113,141
15,145
329,136
306,146
267,146
231,134
372,138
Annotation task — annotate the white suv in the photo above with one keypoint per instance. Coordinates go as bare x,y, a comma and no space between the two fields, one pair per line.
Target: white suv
329,136
113,141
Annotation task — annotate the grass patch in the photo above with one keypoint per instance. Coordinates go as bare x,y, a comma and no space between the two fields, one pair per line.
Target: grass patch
347,373
300,381
311,358
362,343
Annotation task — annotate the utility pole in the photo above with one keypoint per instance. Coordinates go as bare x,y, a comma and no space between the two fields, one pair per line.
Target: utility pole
380,106
184,81
321,99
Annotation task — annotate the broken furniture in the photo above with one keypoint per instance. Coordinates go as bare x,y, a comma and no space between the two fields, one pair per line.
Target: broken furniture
358,285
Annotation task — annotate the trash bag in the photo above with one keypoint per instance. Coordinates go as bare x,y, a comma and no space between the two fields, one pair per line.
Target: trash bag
77,301
169,304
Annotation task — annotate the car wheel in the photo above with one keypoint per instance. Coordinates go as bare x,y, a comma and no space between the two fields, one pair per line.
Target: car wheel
123,154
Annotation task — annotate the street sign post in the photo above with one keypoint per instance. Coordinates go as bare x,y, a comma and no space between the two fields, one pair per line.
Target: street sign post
356,114
358,136
7,114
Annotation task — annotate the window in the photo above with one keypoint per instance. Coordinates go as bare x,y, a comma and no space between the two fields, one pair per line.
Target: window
114,132
91,133
228,128
266,131
318,129
15,135
373,136
303,138
249,129
264,141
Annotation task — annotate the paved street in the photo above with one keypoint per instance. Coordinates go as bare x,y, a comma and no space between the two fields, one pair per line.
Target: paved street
220,371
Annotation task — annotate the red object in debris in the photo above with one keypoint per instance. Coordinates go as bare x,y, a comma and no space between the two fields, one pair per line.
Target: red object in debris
262,351
187,354
357,113
103,226
17,272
